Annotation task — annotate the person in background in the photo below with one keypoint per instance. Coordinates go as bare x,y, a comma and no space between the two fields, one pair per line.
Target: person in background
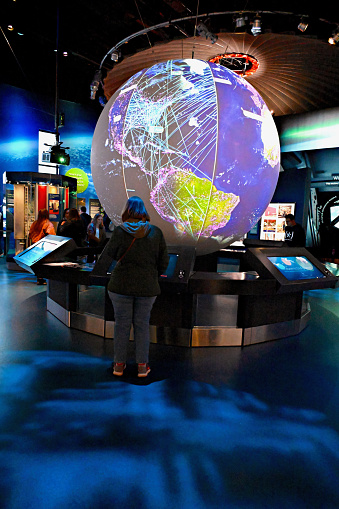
96,234
96,231
141,253
294,232
38,230
106,221
63,220
73,228
85,218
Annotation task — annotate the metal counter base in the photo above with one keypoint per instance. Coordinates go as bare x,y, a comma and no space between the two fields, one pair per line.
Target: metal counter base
198,336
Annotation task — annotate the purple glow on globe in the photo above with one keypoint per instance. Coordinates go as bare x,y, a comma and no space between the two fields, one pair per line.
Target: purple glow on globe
197,143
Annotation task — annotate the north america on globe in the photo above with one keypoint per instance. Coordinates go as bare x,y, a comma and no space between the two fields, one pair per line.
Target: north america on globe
197,143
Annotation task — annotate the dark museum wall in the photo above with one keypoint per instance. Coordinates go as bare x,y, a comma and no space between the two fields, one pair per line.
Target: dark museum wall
294,186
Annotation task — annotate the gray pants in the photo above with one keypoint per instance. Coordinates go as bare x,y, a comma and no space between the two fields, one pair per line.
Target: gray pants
130,310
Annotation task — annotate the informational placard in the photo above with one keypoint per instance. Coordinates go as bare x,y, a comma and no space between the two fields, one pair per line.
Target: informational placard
272,225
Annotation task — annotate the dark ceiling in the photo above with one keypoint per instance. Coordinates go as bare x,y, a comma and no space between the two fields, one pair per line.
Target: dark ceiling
88,29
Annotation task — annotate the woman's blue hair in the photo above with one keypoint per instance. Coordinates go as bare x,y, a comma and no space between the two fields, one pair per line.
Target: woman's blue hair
135,209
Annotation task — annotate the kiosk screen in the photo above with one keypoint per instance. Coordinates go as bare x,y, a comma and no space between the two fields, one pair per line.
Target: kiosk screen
36,252
169,272
295,268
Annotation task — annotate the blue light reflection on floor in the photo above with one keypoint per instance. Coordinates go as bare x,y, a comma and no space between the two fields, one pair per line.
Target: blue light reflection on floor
72,436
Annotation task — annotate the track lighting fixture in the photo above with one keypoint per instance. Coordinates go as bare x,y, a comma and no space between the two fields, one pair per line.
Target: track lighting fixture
240,21
256,25
204,32
335,37
303,24
95,83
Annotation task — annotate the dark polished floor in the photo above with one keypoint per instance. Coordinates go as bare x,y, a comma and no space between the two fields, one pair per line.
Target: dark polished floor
210,428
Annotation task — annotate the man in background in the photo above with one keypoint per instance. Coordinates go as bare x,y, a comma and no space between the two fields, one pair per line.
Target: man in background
294,233
85,218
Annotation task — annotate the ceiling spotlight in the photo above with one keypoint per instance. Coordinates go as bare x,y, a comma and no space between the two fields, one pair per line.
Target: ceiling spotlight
240,22
10,28
115,56
302,25
204,32
256,25
335,37
95,83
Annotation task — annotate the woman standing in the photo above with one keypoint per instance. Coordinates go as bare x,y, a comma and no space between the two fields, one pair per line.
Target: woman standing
96,233
63,220
141,253
38,230
41,227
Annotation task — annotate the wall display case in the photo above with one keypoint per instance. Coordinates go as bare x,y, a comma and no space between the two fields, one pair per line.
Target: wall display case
26,193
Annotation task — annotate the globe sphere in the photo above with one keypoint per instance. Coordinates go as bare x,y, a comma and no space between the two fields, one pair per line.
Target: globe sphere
197,143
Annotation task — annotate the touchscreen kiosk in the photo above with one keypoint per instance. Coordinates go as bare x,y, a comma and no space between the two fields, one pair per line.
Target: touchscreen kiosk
51,248
294,269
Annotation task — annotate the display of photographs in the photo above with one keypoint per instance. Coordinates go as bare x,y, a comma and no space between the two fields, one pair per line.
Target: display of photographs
272,225
54,206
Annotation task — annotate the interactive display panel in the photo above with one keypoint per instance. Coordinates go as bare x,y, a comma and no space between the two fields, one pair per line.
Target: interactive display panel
197,143
169,272
294,269
50,248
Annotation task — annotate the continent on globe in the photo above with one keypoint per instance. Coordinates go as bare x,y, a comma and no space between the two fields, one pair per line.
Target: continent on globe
194,205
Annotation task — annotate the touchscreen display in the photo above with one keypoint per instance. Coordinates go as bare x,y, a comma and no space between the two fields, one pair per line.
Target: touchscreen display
37,252
295,268
173,258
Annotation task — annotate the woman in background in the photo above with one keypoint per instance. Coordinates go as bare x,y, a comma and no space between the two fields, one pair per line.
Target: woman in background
38,230
41,227
141,251
96,234
63,220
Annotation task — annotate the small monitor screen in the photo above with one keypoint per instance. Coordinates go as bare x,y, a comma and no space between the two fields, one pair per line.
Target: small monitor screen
173,258
38,251
295,268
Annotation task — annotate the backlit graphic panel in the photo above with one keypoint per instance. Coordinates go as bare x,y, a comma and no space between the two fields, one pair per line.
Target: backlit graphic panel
197,143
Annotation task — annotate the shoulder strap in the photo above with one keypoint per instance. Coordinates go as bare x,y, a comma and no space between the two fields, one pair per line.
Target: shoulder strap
129,247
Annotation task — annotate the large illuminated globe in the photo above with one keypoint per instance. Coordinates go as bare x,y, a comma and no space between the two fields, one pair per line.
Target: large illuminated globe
197,143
